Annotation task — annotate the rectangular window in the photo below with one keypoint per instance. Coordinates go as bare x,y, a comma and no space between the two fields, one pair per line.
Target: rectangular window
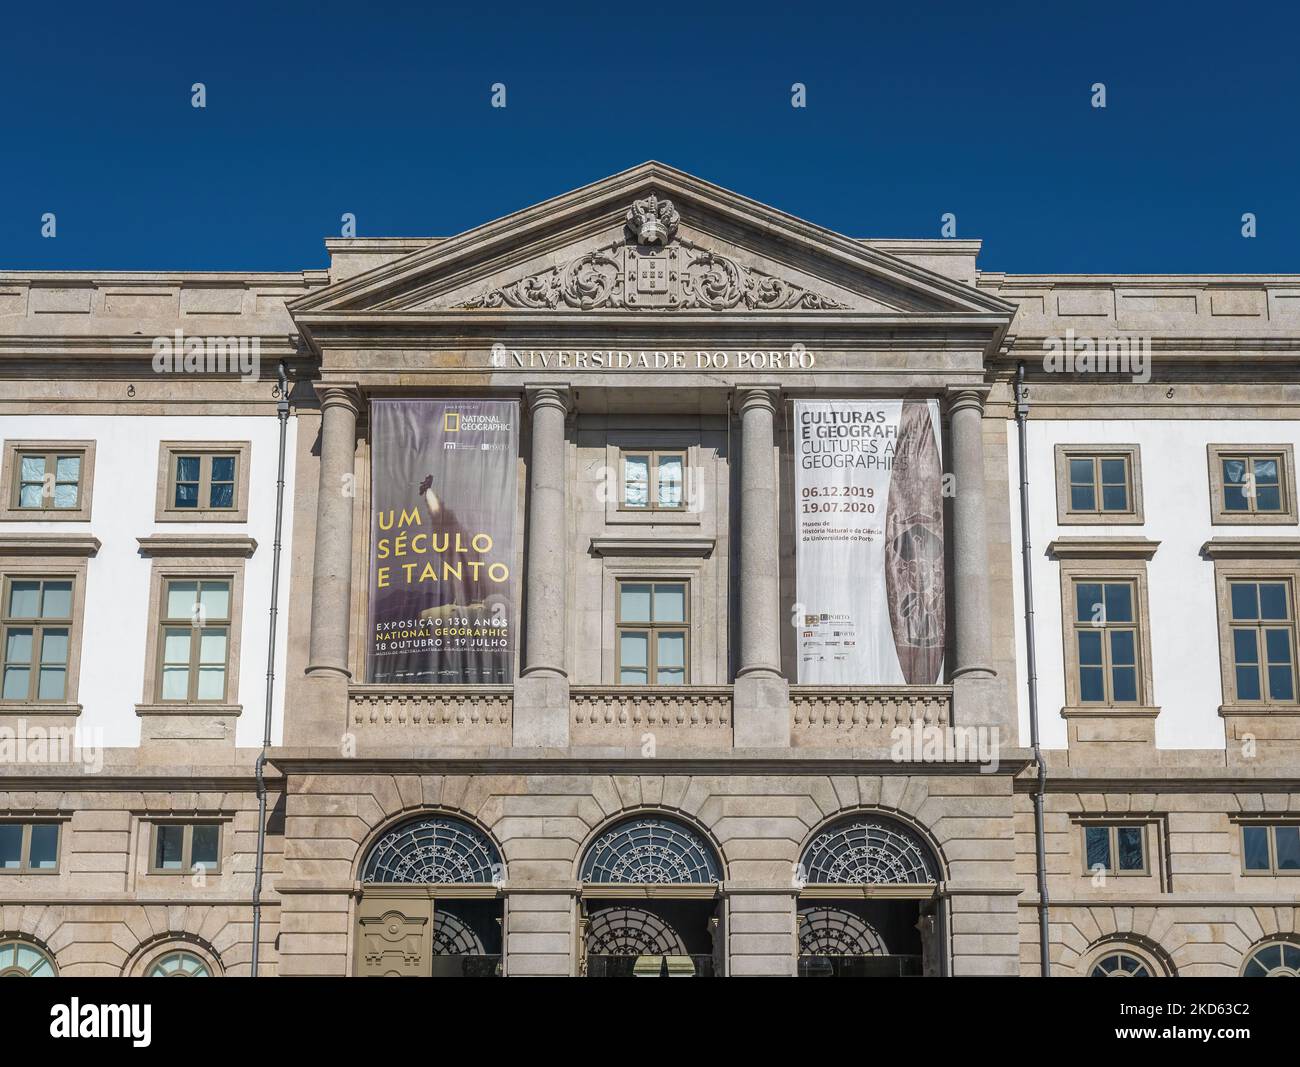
48,481
183,847
1115,849
653,480
37,621
1270,849
1263,636
203,481
1253,483
1107,641
1100,484
194,640
27,847
653,637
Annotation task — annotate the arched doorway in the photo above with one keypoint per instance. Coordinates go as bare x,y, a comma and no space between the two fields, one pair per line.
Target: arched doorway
430,902
650,905
868,904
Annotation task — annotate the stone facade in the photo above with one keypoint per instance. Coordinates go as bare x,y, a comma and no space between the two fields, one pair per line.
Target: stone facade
756,308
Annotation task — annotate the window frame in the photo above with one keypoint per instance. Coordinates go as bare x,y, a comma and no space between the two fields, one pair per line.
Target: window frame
25,848
1283,453
55,556
169,451
1258,626
187,845
1238,561
1132,456
165,622
1271,825
38,626
11,479
1112,828
653,455
1140,626
652,629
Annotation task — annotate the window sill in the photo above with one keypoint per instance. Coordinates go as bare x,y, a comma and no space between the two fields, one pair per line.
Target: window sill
231,710
1108,711
19,707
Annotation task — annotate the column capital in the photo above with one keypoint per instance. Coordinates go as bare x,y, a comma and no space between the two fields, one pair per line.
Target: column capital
338,394
761,395
549,396
961,397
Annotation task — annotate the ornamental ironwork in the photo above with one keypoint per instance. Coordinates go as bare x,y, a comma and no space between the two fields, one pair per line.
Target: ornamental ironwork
453,936
831,931
632,931
650,850
868,850
435,849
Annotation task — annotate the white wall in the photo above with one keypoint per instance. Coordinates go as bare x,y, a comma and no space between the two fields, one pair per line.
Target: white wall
1184,624
123,504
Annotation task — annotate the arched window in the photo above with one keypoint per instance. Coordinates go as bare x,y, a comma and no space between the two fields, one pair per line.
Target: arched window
1281,959
650,849
1121,964
22,959
179,964
433,849
868,850
829,930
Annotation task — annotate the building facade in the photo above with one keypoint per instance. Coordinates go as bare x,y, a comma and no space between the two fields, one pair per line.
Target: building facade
656,777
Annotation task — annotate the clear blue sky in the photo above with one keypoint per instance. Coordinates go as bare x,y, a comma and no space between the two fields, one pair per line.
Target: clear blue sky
913,110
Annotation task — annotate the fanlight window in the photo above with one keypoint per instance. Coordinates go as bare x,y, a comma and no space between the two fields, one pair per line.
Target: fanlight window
20,959
834,931
650,850
434,849
1120,965
179,965
1278,960
865,850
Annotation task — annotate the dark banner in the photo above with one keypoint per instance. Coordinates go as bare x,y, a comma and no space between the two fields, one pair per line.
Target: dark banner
443,499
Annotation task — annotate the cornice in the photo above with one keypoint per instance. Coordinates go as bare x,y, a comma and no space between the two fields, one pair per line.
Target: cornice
1103,548
235,545
652,546
1251,548
35,544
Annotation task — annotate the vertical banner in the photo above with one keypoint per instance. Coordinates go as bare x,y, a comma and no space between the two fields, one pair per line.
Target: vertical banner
443,499
869,569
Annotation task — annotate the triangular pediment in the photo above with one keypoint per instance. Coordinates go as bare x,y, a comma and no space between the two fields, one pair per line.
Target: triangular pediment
649,240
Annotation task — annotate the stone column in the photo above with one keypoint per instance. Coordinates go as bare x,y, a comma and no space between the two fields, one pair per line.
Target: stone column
975,695
541,699
331,589
761,699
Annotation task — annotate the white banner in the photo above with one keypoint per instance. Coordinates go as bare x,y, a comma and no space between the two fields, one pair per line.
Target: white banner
869,557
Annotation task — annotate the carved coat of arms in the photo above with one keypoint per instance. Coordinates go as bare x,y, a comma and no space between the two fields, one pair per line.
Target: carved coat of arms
654,268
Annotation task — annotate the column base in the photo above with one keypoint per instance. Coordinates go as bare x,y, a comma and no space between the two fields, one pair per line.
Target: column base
541,711
760,711
319,716
980,699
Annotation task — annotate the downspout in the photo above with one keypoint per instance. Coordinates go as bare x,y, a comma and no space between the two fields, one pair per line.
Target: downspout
282,413
1031,662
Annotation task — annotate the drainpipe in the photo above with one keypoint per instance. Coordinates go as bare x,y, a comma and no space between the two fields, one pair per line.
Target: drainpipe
1031,662
282,413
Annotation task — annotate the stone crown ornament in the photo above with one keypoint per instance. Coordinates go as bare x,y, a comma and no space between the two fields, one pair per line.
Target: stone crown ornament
653,221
